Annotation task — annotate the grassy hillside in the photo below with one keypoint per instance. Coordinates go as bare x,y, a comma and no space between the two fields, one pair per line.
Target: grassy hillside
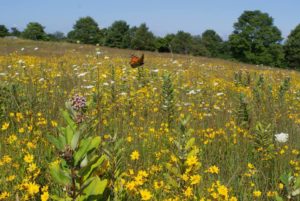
178,128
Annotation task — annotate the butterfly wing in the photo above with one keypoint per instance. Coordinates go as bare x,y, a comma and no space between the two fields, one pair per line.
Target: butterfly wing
136,61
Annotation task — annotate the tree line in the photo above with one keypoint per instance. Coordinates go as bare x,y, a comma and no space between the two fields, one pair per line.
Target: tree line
255,39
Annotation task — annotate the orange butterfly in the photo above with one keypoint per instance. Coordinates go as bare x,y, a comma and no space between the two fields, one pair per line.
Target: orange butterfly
136,61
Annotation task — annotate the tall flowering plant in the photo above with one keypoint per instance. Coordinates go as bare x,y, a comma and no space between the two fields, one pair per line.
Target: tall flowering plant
76,169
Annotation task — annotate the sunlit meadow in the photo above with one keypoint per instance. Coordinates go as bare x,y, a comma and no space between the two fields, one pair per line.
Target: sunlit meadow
178,128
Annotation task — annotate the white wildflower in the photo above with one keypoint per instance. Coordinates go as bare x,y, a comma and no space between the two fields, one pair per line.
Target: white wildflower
82,74
191,92
282,137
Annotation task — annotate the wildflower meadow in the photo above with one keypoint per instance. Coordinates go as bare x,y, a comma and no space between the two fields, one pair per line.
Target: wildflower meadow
78,123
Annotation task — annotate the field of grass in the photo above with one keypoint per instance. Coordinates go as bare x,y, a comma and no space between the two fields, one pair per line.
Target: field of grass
178,128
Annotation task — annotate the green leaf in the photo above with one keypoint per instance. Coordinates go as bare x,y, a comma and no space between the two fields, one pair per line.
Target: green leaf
75,140
284,178
92,165
297,182
62,140
55,141
93,189
86,145
193,152
171,181
278,198
68,119
69,133
172,169
189,143
59,175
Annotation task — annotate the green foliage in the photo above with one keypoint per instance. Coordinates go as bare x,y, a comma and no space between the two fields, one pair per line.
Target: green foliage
184,147
164,44
56,36
263,142
86,31
292,48
242,111
284,87
3,31
34,31
117,35
212,42
198,48
256,40
15,32
168,104
143,39
291,185
182,43
79,161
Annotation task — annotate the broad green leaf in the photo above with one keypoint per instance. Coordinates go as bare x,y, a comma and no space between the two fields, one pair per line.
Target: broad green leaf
69,133
75,140
193,152
284,178
62,140
92,165
278,198
68,119
297,183
189,143
86,145
94,189
59,175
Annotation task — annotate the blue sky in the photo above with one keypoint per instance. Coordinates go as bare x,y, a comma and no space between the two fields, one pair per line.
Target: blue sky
161,16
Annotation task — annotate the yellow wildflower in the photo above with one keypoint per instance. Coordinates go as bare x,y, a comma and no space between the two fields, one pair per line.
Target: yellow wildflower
145,194
5,126
188,192
192,160
256,194
195,179
45,196
233,199
213,170
135,155
222,190
4,195
32,188
130,186
28,158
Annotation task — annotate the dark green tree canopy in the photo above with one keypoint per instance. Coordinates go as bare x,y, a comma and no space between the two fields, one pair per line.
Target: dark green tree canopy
182,43
162,44
198,48
15,32
256,40
212,42
3,31
86,31
34,31
116,35
56,36
143,39
292,48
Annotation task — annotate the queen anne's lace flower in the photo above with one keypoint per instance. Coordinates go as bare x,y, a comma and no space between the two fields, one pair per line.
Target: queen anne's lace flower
282,137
